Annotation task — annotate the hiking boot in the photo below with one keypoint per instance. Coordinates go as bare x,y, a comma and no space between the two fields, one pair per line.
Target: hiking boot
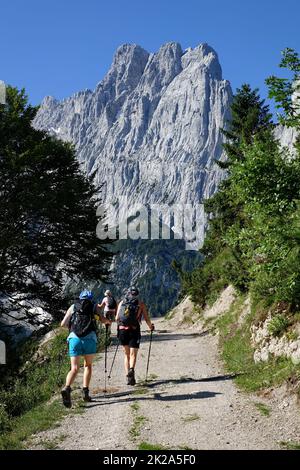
86,394
66,396
130,377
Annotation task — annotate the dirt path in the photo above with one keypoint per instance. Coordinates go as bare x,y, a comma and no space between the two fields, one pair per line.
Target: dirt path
189,403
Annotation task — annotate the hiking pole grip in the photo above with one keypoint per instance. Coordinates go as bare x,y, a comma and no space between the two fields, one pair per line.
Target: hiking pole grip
149,355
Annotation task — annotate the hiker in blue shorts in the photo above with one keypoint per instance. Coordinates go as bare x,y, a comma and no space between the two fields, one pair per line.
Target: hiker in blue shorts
80,319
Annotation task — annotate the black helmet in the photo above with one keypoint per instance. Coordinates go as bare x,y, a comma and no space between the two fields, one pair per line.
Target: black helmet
133,291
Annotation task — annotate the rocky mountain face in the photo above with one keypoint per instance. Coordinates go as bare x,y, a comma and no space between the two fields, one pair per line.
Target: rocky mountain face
151,128
21,318
150,131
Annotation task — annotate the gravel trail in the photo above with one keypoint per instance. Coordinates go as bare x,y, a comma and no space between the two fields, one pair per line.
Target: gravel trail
188,403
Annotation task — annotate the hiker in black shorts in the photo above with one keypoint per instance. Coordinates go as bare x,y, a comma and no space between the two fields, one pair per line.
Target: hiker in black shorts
130,312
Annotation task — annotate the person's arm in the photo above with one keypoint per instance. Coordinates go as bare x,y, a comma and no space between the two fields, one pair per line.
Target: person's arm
67,317
118,310
145,314
101,316
102,304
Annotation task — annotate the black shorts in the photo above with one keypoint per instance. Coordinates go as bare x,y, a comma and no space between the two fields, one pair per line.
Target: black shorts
110,315
131,337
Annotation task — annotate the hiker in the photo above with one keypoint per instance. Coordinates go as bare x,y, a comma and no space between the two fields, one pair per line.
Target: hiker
110,306
82,340
130,312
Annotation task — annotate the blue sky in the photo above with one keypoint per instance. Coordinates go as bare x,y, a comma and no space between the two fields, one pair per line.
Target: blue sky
59,47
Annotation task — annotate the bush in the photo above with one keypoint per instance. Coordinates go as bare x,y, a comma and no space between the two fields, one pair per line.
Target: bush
278,325
5,424
38,381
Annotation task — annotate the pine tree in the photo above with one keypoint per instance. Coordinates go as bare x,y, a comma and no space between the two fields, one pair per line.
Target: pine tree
249,117
251,120
47,209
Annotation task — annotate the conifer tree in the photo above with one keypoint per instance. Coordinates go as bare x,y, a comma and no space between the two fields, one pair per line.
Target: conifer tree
47,209
249,117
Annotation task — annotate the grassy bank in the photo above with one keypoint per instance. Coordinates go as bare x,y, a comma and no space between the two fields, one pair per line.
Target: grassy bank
237,353
27,397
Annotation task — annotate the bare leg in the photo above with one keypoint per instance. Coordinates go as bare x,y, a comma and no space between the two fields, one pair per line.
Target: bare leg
133,357
75,364
87,374
126,358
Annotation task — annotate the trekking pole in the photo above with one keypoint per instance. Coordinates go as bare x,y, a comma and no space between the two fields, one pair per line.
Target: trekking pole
105,358
109,375
149,355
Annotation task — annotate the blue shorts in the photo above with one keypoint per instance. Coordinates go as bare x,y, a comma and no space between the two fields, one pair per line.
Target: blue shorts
82,346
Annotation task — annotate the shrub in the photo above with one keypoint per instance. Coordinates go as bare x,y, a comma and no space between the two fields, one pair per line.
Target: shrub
278,325
4,419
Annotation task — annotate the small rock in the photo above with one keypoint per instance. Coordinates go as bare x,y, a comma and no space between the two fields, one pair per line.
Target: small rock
283,405
296,357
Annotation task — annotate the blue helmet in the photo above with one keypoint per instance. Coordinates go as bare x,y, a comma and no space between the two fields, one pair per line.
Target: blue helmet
86,294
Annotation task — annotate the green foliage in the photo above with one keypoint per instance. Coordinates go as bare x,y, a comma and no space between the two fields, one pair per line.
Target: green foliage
39,419
249,117
283,90
47,210
5,423
138,422
237,353
253,237
38,382
147,446
292,335
290,445
278,324
269,184
264,409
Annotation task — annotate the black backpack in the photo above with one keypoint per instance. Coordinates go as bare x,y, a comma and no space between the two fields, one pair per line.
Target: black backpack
111,303
128,314
82,321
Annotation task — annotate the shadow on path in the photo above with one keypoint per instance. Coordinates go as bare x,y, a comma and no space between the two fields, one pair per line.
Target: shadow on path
182,380
165,336
155,396
172,336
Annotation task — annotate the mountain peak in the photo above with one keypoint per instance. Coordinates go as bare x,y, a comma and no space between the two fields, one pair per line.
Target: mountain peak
207,56
129,52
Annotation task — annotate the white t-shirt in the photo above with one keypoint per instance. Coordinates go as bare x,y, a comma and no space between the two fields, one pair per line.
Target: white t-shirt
106,307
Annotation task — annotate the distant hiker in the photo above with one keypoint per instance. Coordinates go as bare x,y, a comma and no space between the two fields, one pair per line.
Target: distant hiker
80,319
129,316
109,305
